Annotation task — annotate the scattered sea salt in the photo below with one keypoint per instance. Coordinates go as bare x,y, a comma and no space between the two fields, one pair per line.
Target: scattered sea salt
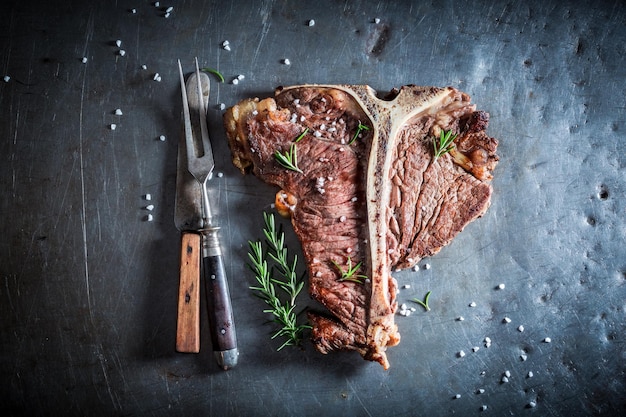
405,286
150,207
220,174
6,78
118,112
483,408
507,374
461,354
504,380
530,374
472,304
157,4
416,268
84,60
532,404
118,43
133,11
520,328
156,77
122,52
149,217
240,77
460,318
547,340
480,391
144,67
222,106
311,22
147,197
426,266
457,396
523,357
475,349
113,126
286,61
501,286
506,320
166,15
169,9
342,219
377,20
162,138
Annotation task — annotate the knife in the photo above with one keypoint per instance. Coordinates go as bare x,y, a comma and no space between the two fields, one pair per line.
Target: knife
199,160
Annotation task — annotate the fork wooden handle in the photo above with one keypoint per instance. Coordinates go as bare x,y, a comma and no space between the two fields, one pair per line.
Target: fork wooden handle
188,322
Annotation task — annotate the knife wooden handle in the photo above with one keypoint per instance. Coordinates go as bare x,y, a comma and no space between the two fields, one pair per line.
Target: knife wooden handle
188,322
221,322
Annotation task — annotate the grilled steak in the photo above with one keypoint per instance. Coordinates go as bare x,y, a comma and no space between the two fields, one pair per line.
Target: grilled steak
369,196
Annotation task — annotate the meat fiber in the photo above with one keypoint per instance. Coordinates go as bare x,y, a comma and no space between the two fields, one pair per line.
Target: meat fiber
369,196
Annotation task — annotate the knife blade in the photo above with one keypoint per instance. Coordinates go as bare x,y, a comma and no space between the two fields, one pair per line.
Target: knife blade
200,164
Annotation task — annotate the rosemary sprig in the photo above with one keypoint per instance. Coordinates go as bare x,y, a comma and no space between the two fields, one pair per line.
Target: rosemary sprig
445,145
289,159
214,72
350,274
361,127
268,286
423,303
299,138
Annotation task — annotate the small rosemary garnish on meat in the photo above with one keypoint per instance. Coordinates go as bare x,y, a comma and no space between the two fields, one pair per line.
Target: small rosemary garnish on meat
303,134
269,286
214,72
423,303
445,143
361,127
289,159
350,274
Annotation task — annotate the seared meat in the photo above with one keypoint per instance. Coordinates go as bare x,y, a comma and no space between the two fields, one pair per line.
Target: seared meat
370,191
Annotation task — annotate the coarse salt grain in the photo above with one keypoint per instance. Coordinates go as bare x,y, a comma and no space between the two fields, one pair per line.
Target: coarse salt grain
426,266
157,4
342,219
220,174
311,22
520,328
532,404
501,286
133,11
483,408
547,340
122,52
523,357
506,320
241,77
504,380
148,197
377,20
113,126
144,67
118,112
460,318
480,391
222,106
227,48
475,349
149,217
507,374
169,9
150,207
84,60
156,77
286,61
405,286
118,43
461,354
472,304
166,15
530,374
162,138
235,81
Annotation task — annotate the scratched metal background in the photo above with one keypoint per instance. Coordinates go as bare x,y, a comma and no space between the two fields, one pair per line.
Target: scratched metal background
88,287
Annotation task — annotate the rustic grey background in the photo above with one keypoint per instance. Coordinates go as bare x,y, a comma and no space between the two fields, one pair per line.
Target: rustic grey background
88,287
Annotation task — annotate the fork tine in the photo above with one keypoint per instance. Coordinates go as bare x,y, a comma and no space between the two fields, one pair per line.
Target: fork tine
202,114
186,115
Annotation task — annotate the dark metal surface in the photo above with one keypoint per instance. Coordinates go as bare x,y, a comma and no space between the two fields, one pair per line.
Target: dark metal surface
89,288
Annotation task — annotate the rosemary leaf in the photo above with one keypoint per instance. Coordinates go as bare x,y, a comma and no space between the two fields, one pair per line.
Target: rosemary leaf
359,129
289,159
214,72
279,293
302,135
445,144
423,303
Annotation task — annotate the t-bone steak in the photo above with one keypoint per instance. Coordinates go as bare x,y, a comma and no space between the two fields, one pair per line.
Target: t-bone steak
369,191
